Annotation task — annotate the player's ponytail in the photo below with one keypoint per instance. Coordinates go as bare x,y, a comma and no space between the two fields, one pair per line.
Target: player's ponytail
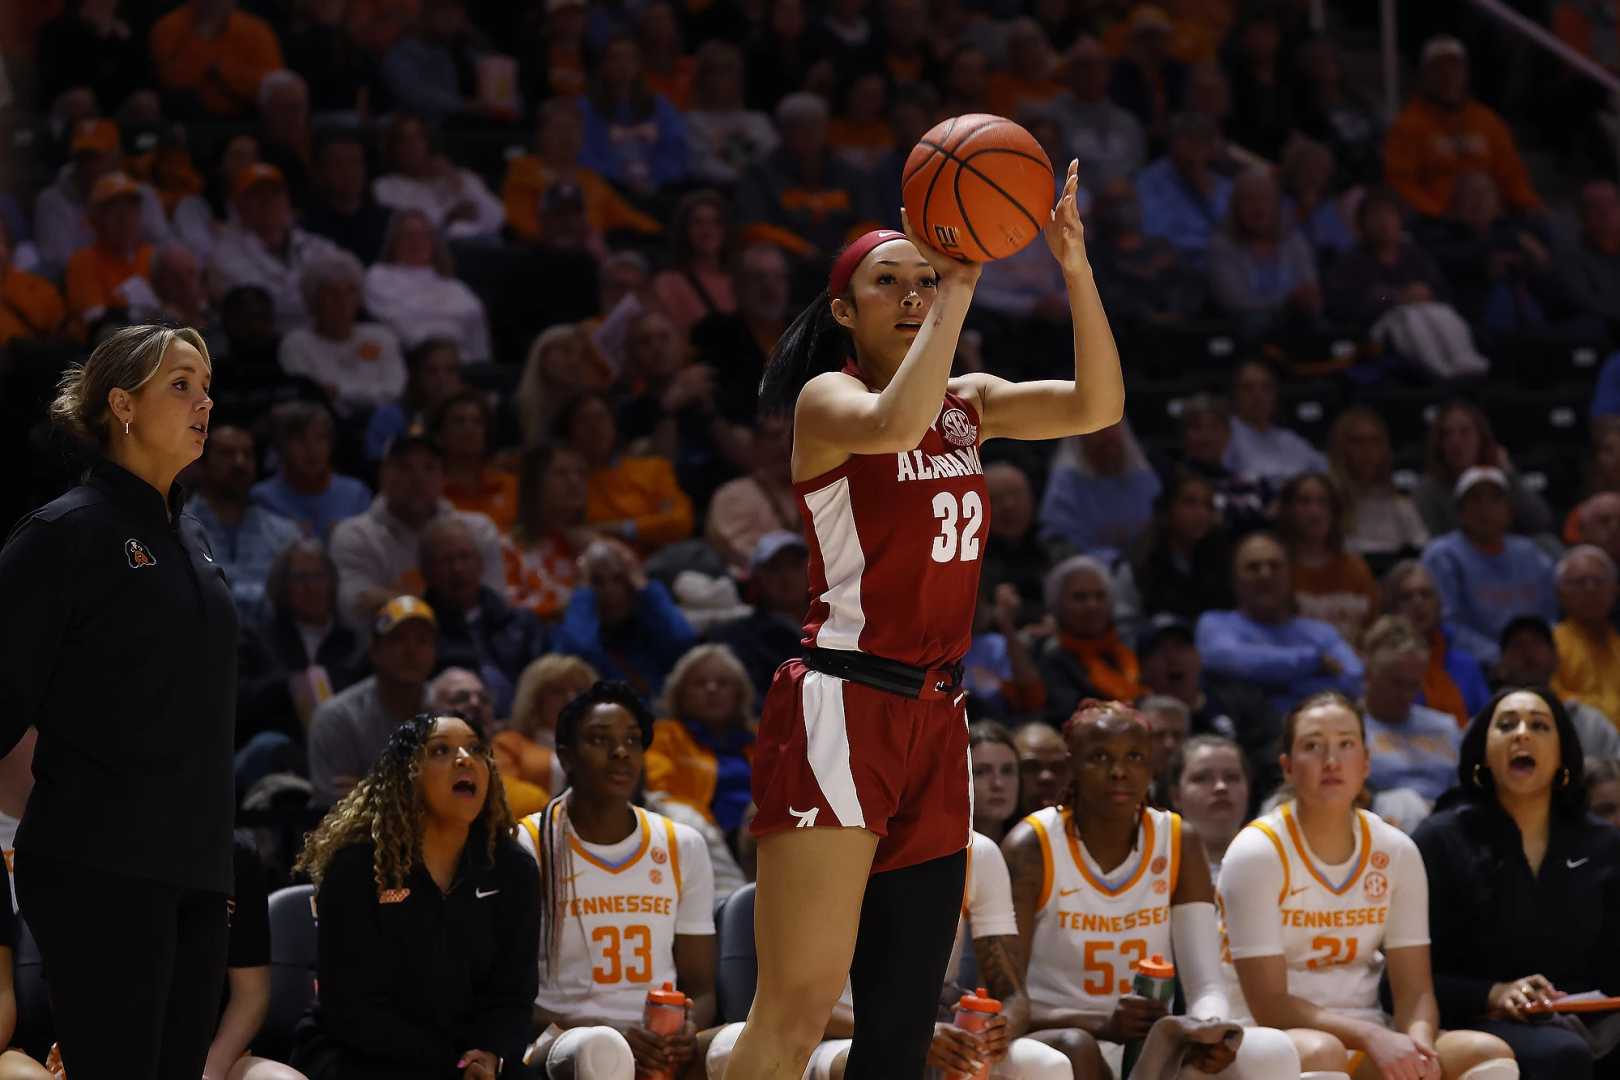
814,342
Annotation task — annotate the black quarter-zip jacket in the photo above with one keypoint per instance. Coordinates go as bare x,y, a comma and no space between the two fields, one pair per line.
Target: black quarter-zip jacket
410,981
118,642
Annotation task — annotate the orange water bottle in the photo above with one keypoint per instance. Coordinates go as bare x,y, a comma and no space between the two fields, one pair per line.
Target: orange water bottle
973,1013
664,1014
1156,979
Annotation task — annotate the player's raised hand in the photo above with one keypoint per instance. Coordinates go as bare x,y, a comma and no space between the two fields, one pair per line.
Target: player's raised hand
1065,235
948,269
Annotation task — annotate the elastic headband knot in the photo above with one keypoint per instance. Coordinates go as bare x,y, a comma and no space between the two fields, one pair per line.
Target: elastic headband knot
843,267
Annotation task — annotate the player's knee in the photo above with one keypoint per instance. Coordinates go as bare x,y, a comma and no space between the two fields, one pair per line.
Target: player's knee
594,1053
1084,1055
1030,1060
1477,1055
793,1029
720,1047
1319,1051
1266,1054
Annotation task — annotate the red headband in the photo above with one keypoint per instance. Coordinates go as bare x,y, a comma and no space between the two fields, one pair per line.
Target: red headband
843,267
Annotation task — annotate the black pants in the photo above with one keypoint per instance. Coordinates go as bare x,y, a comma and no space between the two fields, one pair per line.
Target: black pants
908,922
1550,1051
135,968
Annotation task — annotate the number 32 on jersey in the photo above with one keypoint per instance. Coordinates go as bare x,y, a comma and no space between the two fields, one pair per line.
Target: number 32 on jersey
959,522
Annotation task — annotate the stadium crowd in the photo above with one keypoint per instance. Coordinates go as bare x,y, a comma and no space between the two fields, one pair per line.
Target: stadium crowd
488,288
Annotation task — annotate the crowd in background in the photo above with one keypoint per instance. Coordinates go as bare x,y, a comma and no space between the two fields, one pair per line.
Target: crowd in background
489,287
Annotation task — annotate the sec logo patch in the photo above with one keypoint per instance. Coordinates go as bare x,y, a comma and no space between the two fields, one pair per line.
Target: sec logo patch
658,856
1158,865
957,428
1376,886
1379,860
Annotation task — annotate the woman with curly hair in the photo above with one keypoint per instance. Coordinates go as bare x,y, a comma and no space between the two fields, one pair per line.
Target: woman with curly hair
429,917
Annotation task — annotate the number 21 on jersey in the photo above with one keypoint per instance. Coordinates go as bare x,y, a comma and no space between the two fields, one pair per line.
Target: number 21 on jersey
959,523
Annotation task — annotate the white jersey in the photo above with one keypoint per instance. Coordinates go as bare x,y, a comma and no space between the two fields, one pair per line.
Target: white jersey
1331,923
1091,928
621,907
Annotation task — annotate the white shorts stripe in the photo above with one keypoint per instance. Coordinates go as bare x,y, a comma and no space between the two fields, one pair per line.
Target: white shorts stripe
842,560
827,746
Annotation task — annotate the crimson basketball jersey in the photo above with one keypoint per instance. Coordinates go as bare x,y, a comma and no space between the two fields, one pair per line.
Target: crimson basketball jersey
895,543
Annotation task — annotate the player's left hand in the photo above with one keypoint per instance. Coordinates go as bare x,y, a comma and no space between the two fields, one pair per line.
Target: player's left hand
650,1050
1065,235
681,1046
994,1038
479,1065
1211,1058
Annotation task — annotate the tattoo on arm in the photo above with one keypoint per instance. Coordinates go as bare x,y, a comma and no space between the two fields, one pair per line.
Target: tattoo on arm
1001,965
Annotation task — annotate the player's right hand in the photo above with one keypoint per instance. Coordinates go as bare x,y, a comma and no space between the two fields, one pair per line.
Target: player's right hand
647,1048
1398,1057
945,267
1132,1017
955,1050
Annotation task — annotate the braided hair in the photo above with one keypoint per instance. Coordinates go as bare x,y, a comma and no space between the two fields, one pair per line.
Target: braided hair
556,853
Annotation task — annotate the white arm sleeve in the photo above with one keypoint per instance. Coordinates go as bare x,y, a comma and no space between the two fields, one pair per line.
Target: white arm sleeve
1195,937
1408,923
695,912
1251,882
990,906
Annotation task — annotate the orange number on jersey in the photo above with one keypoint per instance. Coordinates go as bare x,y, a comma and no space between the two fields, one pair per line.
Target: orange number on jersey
612,941
1099,970
641,968
1340,951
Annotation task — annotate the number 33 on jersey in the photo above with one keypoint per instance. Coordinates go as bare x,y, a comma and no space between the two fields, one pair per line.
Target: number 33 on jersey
895,543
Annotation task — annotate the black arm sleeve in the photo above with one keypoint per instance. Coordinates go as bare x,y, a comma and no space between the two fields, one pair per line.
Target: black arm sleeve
250,909
354,965
35,597
504,1009
1453,932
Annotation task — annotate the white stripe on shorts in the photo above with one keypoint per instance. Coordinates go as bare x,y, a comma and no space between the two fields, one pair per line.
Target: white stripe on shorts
827,746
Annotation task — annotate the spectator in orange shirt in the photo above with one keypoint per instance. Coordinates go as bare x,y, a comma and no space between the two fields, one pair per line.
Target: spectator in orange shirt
30,306
461,425
1443,133
113,271
559,138
212,56
634,498
702,752
1027,75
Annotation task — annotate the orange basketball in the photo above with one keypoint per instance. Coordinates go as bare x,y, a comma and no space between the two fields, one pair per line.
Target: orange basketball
978,187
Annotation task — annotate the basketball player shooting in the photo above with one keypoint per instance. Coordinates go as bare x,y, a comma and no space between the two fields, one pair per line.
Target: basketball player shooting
861,770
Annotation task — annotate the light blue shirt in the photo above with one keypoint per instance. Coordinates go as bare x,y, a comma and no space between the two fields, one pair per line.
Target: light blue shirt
1481,593
1284,659
1276,454
244,552
1097,515
1174,210
1420,754
344,497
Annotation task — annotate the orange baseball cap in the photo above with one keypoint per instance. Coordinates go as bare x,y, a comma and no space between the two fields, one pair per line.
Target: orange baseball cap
256,173
399,610
99,136
114,185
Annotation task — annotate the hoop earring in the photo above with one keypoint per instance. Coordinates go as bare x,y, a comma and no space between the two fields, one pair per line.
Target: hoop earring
1478,782
1563,777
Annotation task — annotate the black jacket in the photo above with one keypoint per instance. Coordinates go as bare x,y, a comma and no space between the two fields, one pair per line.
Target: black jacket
503,638
1491,920
407,987
763,641
268,655
119,645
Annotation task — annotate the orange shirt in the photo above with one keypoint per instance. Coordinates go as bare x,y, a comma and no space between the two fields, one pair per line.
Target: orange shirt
683,768
1341,591
1008,90
94,274
223,71
495,496
1429,147
541,576
675,84
642,490
30,306
527,180
520,757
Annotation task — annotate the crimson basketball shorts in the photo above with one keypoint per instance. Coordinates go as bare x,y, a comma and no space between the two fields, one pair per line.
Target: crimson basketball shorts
838,754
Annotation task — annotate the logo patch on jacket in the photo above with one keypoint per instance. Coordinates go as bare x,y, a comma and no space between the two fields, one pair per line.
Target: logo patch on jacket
138,554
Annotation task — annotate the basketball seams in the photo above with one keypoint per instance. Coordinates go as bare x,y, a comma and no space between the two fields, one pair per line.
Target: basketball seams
954,145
